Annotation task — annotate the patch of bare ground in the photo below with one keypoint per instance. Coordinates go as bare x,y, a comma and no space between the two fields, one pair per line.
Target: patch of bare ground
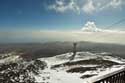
81,69
87,76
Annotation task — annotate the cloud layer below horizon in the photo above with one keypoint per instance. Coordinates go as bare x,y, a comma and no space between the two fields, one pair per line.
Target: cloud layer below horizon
105,36
89,33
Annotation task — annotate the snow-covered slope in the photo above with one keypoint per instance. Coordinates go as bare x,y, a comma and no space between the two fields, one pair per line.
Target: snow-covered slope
82,56
14,69
85,68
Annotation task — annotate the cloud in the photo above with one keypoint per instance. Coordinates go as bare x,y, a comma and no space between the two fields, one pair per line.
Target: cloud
89,7
62,6
85,6
116,3
92,6
90,27
113,4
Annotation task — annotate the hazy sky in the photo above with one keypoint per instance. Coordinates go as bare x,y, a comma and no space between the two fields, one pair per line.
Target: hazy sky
21,20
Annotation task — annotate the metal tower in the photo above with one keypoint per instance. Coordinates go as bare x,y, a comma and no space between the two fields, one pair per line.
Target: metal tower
74,51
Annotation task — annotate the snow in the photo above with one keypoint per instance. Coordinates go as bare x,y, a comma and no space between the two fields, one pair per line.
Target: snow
59,75
80,56
64,77
108,71
12,58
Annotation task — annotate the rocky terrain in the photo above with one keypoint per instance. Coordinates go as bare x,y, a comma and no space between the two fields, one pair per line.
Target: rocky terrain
85,67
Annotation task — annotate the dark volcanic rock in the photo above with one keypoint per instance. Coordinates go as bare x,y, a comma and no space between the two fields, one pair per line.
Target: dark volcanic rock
103,63
81,69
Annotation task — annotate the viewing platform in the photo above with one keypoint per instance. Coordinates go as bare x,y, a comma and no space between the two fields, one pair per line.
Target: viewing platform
114,77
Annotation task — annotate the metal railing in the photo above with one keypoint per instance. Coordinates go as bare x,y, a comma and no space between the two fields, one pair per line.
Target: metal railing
114,77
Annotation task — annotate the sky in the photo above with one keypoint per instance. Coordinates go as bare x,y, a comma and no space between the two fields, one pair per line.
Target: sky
20,19
59,14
